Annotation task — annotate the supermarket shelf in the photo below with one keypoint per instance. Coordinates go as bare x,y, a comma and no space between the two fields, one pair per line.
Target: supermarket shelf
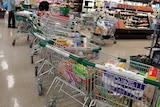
132,9
133,33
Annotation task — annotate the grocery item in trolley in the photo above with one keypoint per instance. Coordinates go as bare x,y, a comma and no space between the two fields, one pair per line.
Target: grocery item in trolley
72,42
24,13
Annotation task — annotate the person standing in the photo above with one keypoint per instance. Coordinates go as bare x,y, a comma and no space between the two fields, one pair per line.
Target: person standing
18,4
11,17
1,3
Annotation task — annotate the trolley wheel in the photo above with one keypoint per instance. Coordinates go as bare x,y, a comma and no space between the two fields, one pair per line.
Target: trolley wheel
31,59
30,45
13,42
36,71
103,44
39,89
28,38
51,103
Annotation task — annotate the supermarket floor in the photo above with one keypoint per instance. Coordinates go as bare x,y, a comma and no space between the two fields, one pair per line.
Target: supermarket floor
18,86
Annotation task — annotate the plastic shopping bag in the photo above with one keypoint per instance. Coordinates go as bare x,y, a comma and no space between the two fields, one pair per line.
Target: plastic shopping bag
5,5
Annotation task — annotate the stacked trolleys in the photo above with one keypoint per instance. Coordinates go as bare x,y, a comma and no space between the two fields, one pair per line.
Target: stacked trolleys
74,71
103,82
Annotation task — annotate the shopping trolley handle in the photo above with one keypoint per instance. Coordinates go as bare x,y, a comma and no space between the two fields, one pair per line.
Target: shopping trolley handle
43,43
152,82
38,31
97,50
78,59
85,62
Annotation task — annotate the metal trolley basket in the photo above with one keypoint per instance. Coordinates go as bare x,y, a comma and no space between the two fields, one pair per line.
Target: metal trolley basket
105,28
89,52
105,84
24,23
53,28
101,27
119,85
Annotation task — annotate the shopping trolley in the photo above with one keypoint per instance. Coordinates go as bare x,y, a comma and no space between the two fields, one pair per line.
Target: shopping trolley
49,25
70,79
105,83
117,84
57,29
100,27
24,24
84,49
105,28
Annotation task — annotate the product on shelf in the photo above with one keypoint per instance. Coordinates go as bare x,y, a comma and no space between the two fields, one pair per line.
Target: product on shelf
143,8
120,24
135,20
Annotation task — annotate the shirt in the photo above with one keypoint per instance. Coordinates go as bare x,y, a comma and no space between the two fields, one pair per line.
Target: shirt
11,5
17,2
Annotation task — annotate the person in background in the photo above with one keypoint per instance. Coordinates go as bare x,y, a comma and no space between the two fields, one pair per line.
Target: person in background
18,4
11,17
44,6
1,3
12,6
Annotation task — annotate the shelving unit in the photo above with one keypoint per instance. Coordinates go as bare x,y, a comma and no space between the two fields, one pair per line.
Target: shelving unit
136,25
75,5
154,50
156,35
134,20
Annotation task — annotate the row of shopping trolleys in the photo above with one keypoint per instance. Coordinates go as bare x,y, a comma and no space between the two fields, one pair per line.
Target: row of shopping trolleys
83,73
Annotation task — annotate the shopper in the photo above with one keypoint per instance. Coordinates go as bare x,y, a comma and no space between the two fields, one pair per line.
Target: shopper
1,3
44,6
11,17
12,6
18,4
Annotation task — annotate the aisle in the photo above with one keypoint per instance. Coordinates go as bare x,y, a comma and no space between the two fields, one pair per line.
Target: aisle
18,86
17,81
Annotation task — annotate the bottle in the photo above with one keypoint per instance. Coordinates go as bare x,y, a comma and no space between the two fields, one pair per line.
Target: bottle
85,42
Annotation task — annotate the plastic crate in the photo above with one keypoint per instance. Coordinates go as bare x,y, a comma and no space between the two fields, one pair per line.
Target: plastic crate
2,13
140,64
64,11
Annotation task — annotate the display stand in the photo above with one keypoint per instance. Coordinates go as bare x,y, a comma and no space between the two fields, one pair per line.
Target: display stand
154,53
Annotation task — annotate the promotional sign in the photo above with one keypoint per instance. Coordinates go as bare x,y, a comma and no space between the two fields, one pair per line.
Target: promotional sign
123,85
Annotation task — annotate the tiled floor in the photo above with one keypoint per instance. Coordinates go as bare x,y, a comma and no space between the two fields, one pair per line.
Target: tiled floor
18,86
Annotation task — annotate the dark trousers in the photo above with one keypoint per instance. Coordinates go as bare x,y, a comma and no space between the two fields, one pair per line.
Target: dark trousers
11,18
18,9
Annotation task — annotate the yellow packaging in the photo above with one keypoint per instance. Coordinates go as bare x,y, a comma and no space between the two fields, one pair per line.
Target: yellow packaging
152,77
121,65
31,1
